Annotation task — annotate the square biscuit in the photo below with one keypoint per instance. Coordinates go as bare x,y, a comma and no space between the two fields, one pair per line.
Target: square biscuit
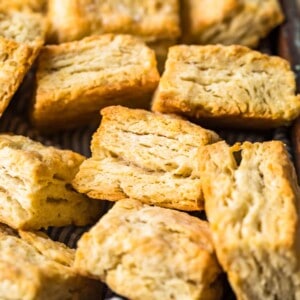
141,155
228,22
15,61
150,20
35,188
33,267
229,86
75,80
252,204
144,252
155,22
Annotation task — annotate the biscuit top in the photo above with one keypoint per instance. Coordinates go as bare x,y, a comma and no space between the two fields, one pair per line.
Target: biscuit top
101,58
149,19
23,27
152,231
148,221
38,160
227,80
155,141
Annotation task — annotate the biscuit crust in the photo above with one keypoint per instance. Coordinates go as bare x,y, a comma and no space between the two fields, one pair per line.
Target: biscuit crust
145,252
15,61
150,20
229,86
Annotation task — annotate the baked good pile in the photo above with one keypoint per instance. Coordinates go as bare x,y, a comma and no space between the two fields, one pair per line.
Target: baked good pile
157,78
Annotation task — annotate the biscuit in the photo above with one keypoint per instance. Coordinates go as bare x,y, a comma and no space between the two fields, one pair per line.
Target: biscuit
23,5
242,22
156,22
35,188
15,61
145,252
24,28
33,267
146,156
75,80
230,86
150,20
252,204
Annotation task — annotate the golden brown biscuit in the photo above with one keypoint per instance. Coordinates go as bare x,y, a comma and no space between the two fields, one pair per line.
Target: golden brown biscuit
32,267
15,61
156,22
23,5
151,20
35,186
230,86
252,204
228,22
146,156
75,80
145,252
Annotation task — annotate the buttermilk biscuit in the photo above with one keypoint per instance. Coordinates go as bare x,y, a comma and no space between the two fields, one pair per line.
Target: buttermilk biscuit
151,20
252,204
156,22
23,5
145,252
227,22
75,80
228,86
15,61
24,28
35,186
145,156
33,267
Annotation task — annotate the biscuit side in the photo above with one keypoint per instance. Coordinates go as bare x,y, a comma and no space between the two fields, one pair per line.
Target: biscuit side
15,61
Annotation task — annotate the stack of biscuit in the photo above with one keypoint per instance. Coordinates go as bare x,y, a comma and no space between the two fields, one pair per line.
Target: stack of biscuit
154,156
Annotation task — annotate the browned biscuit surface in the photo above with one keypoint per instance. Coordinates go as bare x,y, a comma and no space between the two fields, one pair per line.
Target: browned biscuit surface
151,20
35,186
15,61
146,156
145,252
75,80
242,22
252,204
229,86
